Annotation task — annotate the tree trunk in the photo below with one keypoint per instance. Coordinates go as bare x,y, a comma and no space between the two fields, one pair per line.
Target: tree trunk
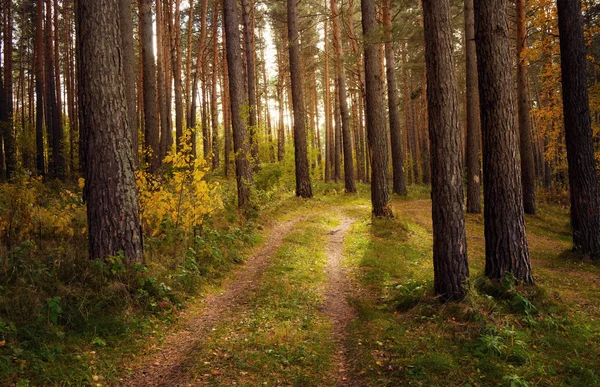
161,88
39,89
583,184
236,94
527,166
450,266
110,190
226,110
349,184
399,176
251,79
151,134
214,113
8,136
303,186
472,110
375,111
506,248
128,66
176,63
329,163
280,103
337,134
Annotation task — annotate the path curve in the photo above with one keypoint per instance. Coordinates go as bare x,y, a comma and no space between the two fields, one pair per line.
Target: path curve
337,308
173,362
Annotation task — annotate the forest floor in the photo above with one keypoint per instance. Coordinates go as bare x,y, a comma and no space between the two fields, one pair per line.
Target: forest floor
335,298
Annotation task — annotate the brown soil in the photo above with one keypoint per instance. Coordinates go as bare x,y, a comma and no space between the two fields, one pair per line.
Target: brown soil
172,363
337,308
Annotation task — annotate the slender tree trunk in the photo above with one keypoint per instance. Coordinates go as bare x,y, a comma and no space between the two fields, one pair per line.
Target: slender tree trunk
226,109
236,93
214,114
505,238
450,266
399,176
303,186
8,136
472,110
110,190
39,89
188,66
349,184
176,63
151,134
280,103
527,166
161,88
128,66
376,128
583,184
329,163
251,79
337,135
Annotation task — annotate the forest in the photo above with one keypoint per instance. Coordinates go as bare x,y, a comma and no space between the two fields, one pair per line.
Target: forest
299,193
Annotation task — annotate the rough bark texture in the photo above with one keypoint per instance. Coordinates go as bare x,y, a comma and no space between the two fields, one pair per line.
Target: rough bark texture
110,189
176,63
527,162
375,111
280,102
327,106
214,113
473,120
583,184
303,187
450,266
340,78
506,248
399,176
250,72
128,66
151,133
236,95
8,136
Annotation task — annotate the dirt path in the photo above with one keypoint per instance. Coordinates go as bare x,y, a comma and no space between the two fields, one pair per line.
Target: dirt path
173,361
336,304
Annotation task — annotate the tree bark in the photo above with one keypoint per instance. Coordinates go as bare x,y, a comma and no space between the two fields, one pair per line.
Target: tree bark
399,175
236,94
375,111
329,163
450,266
8,136
151,132
128,66
349,184
214,114
527,162
583,184
504,221
472,110
251,80
39,89
176,63
303,186
110,190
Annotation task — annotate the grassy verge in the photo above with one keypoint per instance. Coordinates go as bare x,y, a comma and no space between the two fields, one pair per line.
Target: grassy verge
502,334
279,337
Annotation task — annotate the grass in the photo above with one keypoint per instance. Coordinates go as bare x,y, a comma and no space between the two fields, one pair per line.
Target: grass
501,334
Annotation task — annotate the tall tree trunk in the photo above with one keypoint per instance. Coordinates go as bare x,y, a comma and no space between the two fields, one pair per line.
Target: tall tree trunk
399,176
337,134
39,89
214,114
329,163
162,85
110,189
8,136
527,166
506,248
376,128
151,133
280,103
472,110
128,66
236,94
583,184
226,109
450,266
349,184
176,63
53,114
251,79
303,186
198,72
188,66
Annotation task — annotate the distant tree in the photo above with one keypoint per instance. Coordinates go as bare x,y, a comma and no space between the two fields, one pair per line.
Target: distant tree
375,112
585,215
110,189
303,187
450,266
241,149
506,248
151,131
473,121
526,148
399,175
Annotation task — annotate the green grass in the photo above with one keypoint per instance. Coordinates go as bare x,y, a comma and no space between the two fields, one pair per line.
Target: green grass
501,334
280,337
